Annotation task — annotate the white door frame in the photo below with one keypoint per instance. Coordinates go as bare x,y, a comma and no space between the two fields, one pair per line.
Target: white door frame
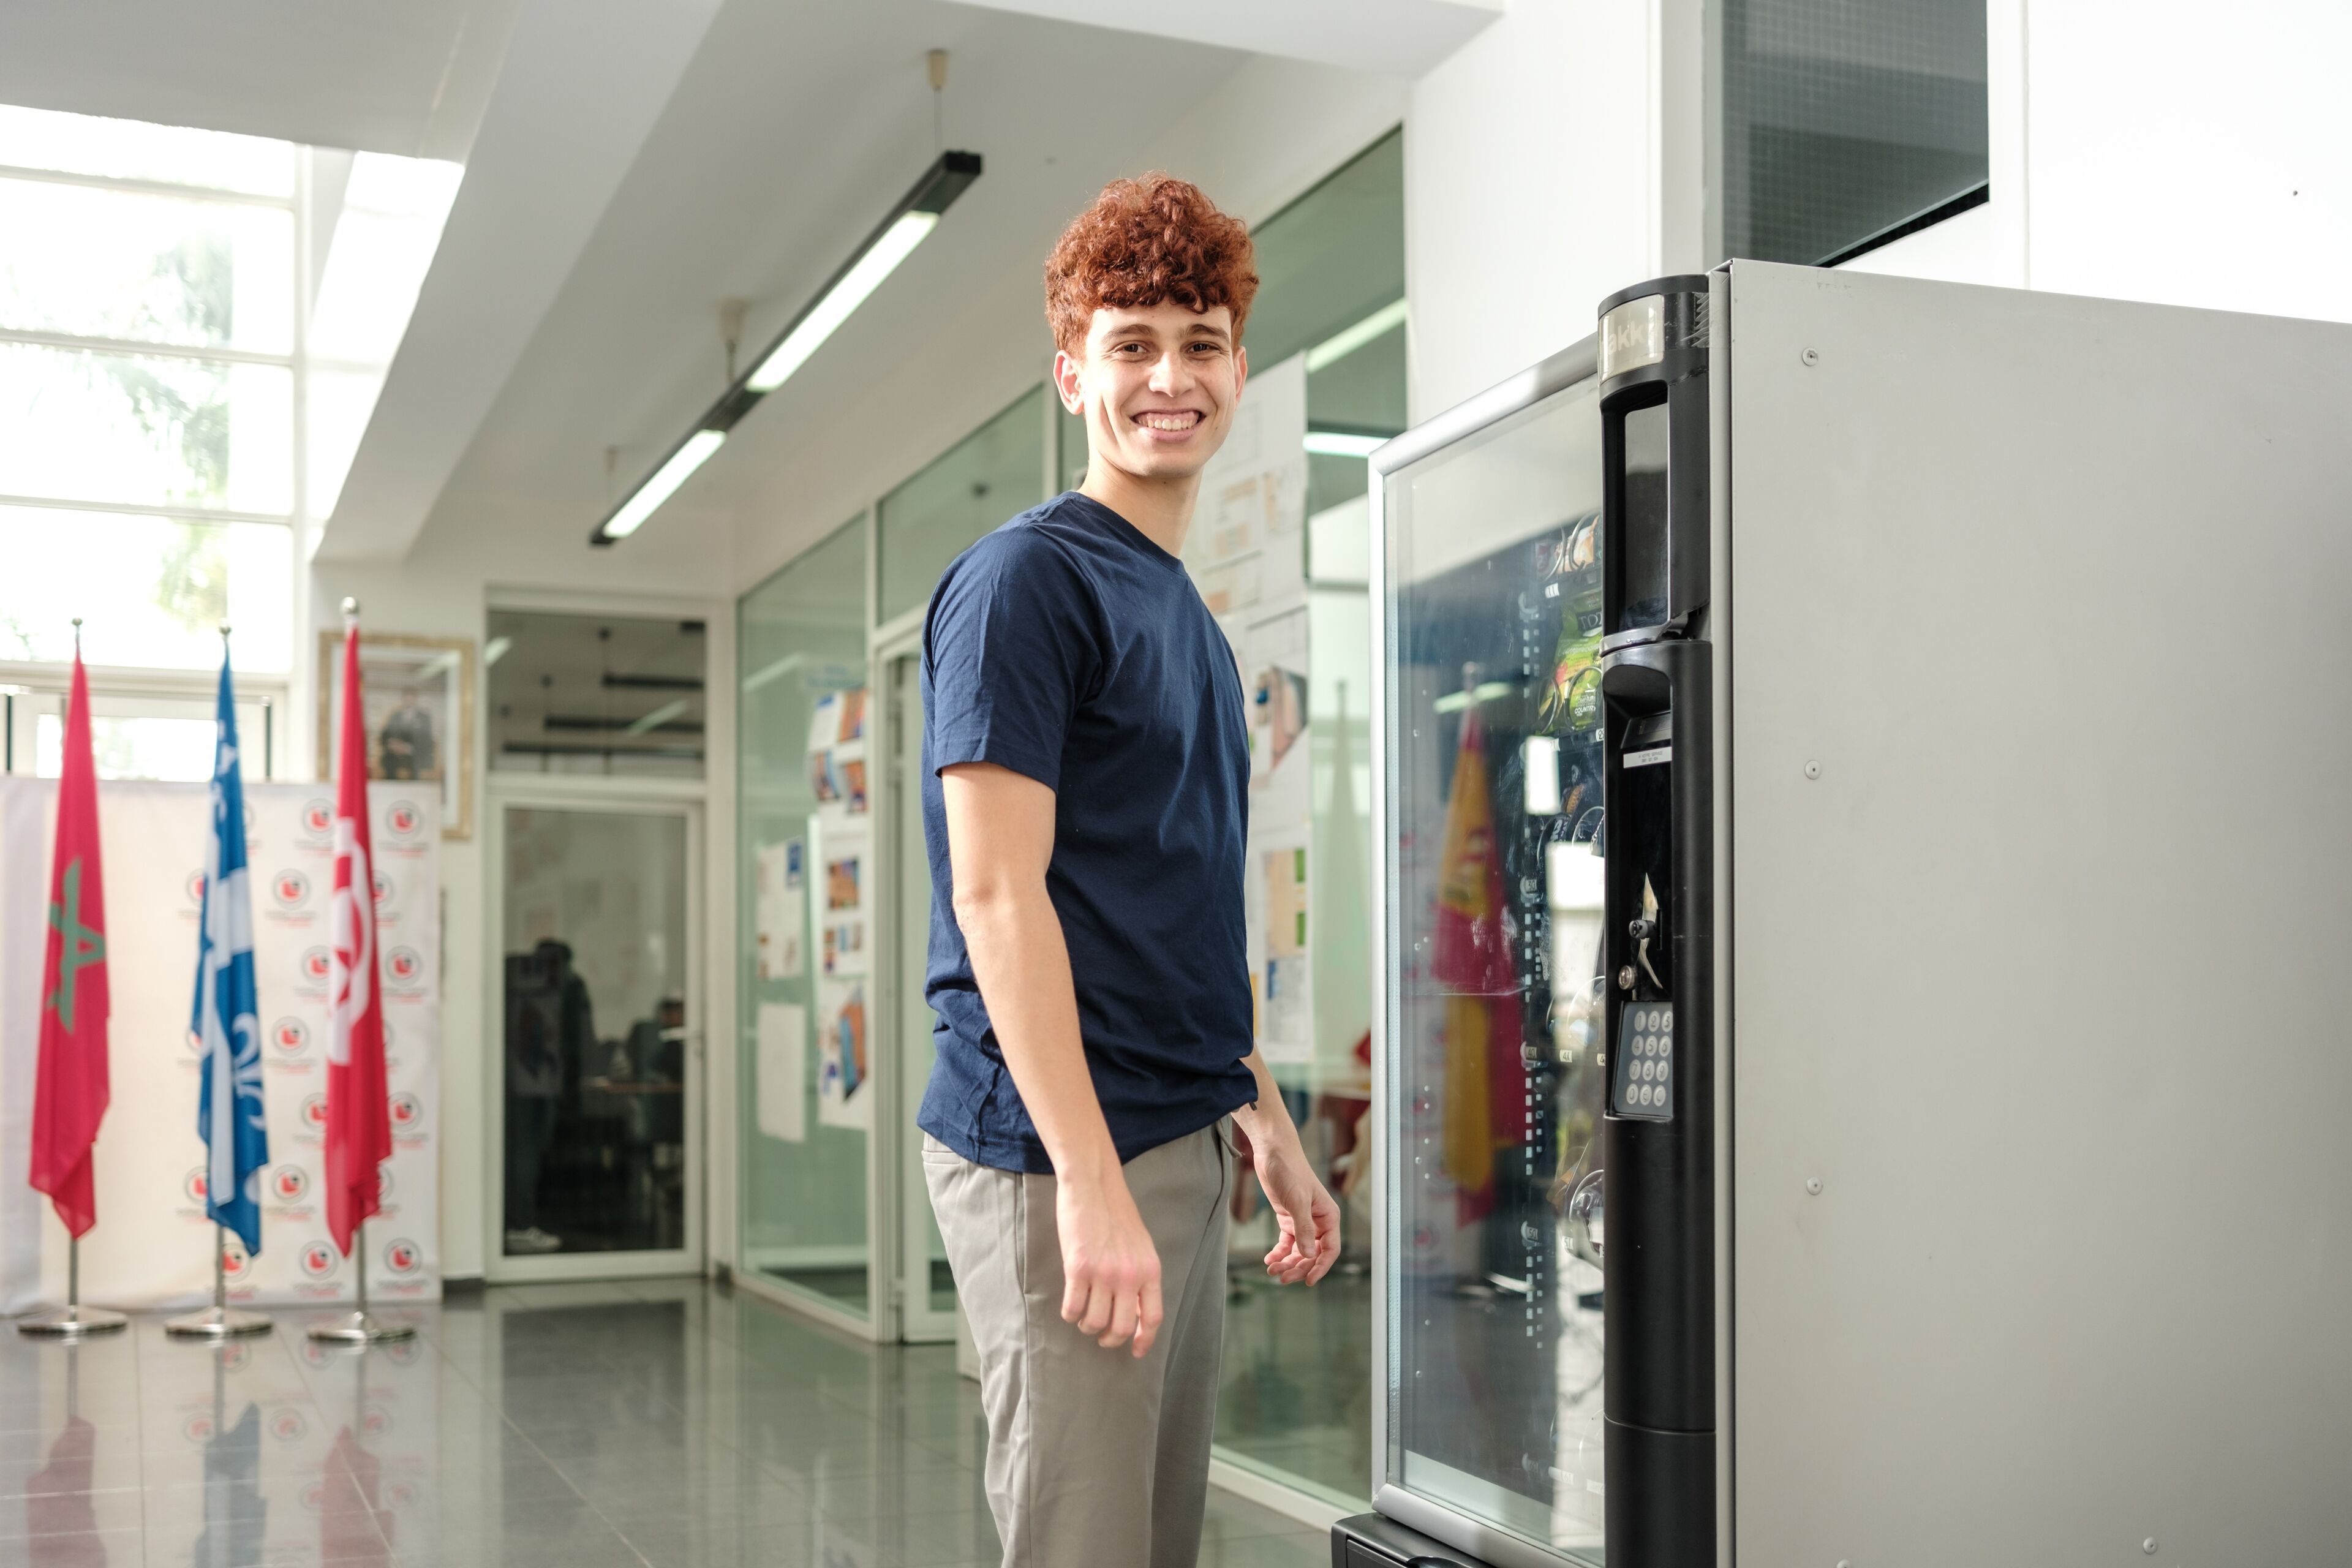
683,798
900,967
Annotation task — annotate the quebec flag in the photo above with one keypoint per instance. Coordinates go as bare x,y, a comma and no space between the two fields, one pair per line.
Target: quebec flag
227,1012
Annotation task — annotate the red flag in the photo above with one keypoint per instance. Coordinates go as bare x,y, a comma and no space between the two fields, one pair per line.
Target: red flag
358,1122
71,1097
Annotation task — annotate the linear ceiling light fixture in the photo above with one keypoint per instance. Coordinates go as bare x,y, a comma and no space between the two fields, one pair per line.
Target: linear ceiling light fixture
893,239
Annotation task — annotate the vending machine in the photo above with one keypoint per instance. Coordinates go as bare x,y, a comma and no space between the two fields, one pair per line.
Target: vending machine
1864,1059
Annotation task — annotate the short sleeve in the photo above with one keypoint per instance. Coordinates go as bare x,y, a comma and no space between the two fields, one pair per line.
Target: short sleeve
1009,648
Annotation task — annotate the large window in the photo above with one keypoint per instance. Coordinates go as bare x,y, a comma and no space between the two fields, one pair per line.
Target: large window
996,472
163,392
1846,123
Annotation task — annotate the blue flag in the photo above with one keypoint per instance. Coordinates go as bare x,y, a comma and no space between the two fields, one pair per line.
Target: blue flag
228,1012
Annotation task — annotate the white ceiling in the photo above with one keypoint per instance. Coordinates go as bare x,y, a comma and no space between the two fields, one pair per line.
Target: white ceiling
630,164
796,126
1396,38
409,77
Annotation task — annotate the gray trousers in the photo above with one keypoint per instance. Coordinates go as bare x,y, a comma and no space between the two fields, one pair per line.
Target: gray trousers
1093,1457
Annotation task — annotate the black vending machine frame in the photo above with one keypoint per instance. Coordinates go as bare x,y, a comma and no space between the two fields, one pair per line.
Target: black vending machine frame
1657,690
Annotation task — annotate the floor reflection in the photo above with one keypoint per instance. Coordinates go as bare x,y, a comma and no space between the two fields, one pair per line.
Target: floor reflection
639,1426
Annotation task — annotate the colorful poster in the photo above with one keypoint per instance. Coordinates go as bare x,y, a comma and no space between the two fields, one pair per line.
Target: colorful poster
781,907
842,1074
837,749
844,866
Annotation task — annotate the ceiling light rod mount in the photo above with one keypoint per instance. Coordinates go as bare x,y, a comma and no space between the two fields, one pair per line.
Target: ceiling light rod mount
890,243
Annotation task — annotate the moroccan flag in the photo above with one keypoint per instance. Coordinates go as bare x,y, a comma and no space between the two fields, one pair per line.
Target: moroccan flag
70,1098
359,1118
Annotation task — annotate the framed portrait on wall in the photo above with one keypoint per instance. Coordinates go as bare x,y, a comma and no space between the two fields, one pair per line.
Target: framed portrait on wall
419,723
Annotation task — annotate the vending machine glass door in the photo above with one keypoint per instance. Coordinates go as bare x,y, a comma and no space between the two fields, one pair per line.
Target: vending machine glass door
1492,827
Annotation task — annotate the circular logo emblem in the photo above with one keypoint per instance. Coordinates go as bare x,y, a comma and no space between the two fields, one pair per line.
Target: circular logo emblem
383,1182
407,1113
314,1112
195,887
403,1258
287,1425
403,819
318,817
198,1428
290,889
289,1182
383,887
317,1260
289,1035
316,961
236,1262
195,1186
403,966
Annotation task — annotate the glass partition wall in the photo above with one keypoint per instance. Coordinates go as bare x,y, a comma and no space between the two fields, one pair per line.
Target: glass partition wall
805,839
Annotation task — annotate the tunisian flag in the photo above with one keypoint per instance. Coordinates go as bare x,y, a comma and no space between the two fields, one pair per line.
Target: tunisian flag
359,1120
70,1093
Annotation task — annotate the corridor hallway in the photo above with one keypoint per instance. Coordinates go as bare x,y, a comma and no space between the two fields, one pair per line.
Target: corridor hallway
660,1424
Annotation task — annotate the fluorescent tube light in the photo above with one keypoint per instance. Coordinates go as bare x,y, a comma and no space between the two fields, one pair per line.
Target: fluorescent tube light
1340,345
893,239
663,485
1343,444
494,650
670,710
864,274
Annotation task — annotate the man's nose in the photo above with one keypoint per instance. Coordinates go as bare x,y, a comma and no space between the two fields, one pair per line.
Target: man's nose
1170,375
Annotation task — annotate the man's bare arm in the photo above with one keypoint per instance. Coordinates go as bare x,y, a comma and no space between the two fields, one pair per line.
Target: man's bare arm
1000,841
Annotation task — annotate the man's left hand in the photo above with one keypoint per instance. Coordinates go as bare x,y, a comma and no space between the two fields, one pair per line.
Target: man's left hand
1308,1219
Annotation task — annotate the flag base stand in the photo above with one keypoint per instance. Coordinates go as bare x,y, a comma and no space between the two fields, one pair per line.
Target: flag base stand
360,1328
220,1320
216,1324
76,1322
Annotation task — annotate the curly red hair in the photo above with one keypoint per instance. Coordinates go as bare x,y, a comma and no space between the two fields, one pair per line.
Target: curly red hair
1146,242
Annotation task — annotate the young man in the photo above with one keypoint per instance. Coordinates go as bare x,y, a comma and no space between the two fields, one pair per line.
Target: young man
1087,774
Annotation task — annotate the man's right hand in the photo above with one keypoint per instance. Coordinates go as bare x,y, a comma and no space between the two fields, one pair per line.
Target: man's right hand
1110,1270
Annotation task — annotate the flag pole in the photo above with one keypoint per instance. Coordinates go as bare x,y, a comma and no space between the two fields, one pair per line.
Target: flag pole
219,1320
76,1322
359,1328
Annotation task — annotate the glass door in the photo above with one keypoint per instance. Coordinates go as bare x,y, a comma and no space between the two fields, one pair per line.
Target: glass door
598,1076
1490,820
926,1288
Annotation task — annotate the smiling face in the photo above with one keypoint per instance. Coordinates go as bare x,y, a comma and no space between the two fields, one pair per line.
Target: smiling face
1157,385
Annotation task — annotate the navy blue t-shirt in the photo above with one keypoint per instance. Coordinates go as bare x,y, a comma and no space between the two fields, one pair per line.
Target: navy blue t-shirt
1068,647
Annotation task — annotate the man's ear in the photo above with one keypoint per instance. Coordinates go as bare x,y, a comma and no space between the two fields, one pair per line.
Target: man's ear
1066,382
1241,370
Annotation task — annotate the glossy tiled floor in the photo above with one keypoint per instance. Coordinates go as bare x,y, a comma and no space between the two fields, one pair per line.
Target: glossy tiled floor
655,1426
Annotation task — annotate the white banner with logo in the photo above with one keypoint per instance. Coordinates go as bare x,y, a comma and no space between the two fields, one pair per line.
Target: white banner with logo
151,1247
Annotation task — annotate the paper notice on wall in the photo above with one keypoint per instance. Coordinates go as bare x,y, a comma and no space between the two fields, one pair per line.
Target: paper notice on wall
782,907
843,869
836,750
1247,545
843,1097
1280,966
1273,654
780,1038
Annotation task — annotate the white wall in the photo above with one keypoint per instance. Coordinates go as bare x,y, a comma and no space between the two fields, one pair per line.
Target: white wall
1549,162
2157,151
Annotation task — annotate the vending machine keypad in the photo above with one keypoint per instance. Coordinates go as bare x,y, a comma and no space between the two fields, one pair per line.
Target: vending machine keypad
1644,1082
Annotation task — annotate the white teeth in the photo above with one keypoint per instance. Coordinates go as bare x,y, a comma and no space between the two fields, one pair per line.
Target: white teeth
1170,421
